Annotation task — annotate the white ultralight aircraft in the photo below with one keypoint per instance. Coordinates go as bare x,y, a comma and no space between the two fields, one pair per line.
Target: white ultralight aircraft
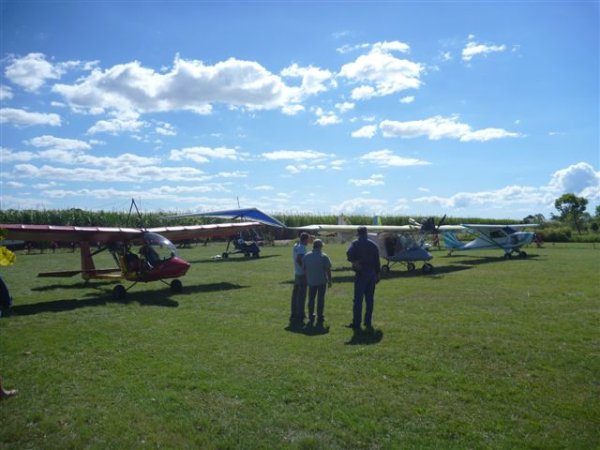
505,237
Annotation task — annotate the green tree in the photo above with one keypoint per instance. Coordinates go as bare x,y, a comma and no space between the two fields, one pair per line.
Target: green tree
572,209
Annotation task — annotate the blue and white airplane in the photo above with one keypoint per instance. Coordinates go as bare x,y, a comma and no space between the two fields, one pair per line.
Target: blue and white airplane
508,238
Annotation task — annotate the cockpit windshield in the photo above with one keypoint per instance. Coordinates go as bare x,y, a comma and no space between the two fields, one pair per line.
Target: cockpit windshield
163,247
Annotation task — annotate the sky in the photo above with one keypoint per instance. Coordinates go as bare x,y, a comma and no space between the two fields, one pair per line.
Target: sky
470,109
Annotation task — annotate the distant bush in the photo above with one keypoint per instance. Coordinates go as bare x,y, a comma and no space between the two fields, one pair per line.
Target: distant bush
554,234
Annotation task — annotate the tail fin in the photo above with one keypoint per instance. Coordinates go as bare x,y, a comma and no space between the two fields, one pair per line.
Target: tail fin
342,220
451,241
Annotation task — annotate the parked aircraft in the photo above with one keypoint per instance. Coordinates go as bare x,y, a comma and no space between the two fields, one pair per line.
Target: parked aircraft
241,245
156,259
404,244
504,237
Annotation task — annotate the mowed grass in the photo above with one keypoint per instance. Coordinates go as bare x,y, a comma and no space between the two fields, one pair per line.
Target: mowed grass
485,353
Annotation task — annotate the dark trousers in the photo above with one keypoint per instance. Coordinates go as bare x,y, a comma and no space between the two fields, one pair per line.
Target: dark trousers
298,299
364,287
319,292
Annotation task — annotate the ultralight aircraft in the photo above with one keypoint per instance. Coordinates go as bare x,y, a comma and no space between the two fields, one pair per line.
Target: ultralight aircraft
156,259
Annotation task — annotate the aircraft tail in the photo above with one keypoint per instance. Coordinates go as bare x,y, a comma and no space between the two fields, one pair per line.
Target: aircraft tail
451,241
377,220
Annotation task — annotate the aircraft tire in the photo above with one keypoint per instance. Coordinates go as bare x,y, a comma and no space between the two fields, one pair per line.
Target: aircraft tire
176,286
119,292
255,255
410,267
507,256
522,254
427,268
225,255
385,269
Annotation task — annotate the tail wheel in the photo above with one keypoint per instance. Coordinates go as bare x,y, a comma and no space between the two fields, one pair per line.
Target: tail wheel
427,268
119,292
176,286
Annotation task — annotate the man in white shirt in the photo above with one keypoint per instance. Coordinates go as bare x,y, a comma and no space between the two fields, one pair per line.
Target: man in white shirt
299,293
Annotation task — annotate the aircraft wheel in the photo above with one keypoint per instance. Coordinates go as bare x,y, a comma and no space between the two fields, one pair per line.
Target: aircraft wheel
255,255
410,266
176,286
427,268
119,292
225,255
385,269
507,256
522,254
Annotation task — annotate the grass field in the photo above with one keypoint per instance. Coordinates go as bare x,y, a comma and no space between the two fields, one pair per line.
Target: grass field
485,353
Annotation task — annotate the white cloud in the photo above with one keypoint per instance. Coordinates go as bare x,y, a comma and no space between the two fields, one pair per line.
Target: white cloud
344,107
380,73
165,129
117,126
22,118
191,85
408,99
473,49
439,127
361,206
580,179
325,118
373,180
6,93
386,158
294,155
368,131
53,142
203,154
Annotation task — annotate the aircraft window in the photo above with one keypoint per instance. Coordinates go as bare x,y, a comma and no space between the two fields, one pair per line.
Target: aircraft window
163,247
497,234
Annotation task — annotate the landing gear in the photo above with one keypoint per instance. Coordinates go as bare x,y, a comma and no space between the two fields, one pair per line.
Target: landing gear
176,286
427,268
119,292
410,266
385,269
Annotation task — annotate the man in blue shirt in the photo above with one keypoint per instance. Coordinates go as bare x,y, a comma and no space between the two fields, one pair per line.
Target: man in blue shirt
299,292
364,256
317,267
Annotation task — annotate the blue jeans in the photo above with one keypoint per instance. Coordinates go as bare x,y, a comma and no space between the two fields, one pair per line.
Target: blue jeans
319,292
364,287
298,299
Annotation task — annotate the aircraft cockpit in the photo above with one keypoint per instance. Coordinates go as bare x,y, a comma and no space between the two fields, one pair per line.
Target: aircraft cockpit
156,248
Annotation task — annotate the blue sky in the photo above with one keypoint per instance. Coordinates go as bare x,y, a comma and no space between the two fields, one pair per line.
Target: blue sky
471,109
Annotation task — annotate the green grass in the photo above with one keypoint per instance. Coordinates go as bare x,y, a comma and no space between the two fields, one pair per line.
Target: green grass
485,353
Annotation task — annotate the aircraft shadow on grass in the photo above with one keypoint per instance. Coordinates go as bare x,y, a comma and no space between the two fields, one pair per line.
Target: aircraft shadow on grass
144,298
475,260
231,259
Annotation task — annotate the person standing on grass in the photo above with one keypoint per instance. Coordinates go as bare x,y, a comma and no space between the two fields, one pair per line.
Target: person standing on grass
317,267
299,292
364,256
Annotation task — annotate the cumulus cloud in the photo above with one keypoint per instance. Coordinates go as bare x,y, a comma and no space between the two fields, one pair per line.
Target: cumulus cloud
294,155
368,131
439,127
192,85
53,142
6,93
386,158
22,118
361,206
203,154
380,73
474,49
373,180
580,178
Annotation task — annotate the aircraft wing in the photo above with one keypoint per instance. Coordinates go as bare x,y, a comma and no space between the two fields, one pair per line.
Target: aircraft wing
483,227
352,228
112,234
183,232
69,233
252,214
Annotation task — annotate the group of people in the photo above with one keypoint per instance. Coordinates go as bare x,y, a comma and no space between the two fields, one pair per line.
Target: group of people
312,273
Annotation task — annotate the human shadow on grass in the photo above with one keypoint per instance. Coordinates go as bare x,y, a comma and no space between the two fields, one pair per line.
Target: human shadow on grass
308,330
365,337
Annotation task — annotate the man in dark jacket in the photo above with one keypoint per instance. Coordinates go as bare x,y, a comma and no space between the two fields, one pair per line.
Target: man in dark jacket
364,256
